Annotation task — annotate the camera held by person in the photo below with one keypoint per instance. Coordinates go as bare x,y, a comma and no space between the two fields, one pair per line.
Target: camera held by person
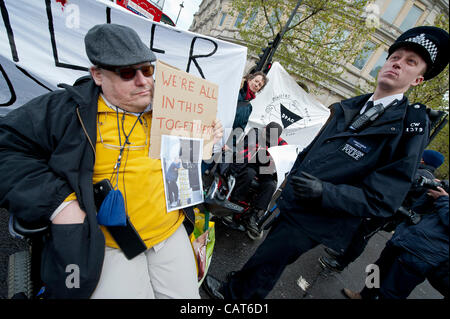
432,184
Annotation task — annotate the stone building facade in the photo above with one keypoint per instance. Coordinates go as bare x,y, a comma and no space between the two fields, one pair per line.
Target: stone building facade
215,18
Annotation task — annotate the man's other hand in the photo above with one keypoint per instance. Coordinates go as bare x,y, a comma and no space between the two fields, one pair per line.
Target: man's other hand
71,214
217,130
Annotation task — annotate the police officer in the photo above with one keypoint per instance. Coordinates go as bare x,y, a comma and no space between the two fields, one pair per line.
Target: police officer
360,165
431,160
414,252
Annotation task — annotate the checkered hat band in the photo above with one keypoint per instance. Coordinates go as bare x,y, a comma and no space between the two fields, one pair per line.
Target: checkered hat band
427,44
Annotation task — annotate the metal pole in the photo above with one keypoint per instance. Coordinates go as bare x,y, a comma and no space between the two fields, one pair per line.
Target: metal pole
283,31
181,7
291,17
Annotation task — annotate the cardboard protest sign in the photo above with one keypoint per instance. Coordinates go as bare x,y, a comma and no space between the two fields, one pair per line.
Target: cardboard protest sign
183,105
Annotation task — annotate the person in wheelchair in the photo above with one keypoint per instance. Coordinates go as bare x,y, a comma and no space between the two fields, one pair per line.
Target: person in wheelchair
253,162
63,149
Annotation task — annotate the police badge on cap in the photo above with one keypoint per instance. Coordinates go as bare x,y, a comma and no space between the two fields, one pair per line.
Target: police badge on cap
431,43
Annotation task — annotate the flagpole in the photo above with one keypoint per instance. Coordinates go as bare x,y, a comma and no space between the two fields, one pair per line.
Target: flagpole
181,7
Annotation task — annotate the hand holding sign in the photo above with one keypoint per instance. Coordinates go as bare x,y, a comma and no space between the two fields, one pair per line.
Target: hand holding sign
217,131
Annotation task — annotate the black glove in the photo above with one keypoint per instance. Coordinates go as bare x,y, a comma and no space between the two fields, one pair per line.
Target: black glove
307,187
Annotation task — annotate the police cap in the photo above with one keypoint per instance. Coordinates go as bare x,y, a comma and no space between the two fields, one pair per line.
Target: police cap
431,43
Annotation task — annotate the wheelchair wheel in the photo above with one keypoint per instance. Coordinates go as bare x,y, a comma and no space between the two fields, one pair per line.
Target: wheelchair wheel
255,236
19,276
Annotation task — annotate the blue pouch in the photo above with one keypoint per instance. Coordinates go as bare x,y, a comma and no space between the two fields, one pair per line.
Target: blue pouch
112,210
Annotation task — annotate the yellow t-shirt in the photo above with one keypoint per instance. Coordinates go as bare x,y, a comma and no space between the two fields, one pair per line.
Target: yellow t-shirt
140,177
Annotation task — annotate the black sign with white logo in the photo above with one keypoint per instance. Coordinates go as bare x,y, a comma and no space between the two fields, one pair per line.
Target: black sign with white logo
288,117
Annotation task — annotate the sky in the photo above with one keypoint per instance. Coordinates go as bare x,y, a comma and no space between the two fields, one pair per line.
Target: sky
172,7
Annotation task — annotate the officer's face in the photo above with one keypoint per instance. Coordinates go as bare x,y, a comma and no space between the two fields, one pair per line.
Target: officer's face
403,68
133,95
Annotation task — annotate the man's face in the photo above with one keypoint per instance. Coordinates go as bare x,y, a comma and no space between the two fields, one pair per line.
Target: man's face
403,68
132,95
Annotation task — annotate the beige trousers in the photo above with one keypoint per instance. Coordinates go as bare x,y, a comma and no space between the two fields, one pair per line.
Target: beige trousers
167,270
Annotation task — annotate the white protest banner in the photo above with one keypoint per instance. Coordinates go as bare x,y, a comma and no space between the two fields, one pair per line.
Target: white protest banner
183,105
284,157
300,114
42,44
285,102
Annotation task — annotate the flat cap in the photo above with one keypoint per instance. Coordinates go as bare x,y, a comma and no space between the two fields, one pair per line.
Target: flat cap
116,45
431,43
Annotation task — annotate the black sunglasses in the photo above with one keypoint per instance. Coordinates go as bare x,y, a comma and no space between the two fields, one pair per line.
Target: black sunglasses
128,72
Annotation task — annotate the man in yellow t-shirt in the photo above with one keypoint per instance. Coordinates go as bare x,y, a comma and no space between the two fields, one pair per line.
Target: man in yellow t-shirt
167,268
57,146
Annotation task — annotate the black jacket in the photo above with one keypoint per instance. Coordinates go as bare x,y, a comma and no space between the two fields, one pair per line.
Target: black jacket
47,148
243,109
429,239
364,174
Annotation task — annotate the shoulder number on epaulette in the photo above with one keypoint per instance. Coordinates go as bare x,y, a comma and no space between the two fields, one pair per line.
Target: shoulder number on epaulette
415,119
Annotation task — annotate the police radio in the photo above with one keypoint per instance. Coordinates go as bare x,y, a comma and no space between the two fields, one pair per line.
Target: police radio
369,116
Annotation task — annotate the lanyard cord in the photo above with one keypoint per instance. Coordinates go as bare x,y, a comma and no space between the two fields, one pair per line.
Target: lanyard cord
122,147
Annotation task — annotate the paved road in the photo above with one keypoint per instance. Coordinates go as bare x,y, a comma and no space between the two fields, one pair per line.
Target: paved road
232,250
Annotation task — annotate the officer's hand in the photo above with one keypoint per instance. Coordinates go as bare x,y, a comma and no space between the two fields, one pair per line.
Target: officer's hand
307,186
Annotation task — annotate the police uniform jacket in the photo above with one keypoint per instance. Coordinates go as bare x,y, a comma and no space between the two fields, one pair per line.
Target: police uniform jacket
364,174
429,239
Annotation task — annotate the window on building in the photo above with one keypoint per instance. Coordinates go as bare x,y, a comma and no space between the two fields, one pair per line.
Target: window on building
224,15
294,21
381,60
340,39
319,31
239,19
365,55
393,10
411,19
251,18
273,19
